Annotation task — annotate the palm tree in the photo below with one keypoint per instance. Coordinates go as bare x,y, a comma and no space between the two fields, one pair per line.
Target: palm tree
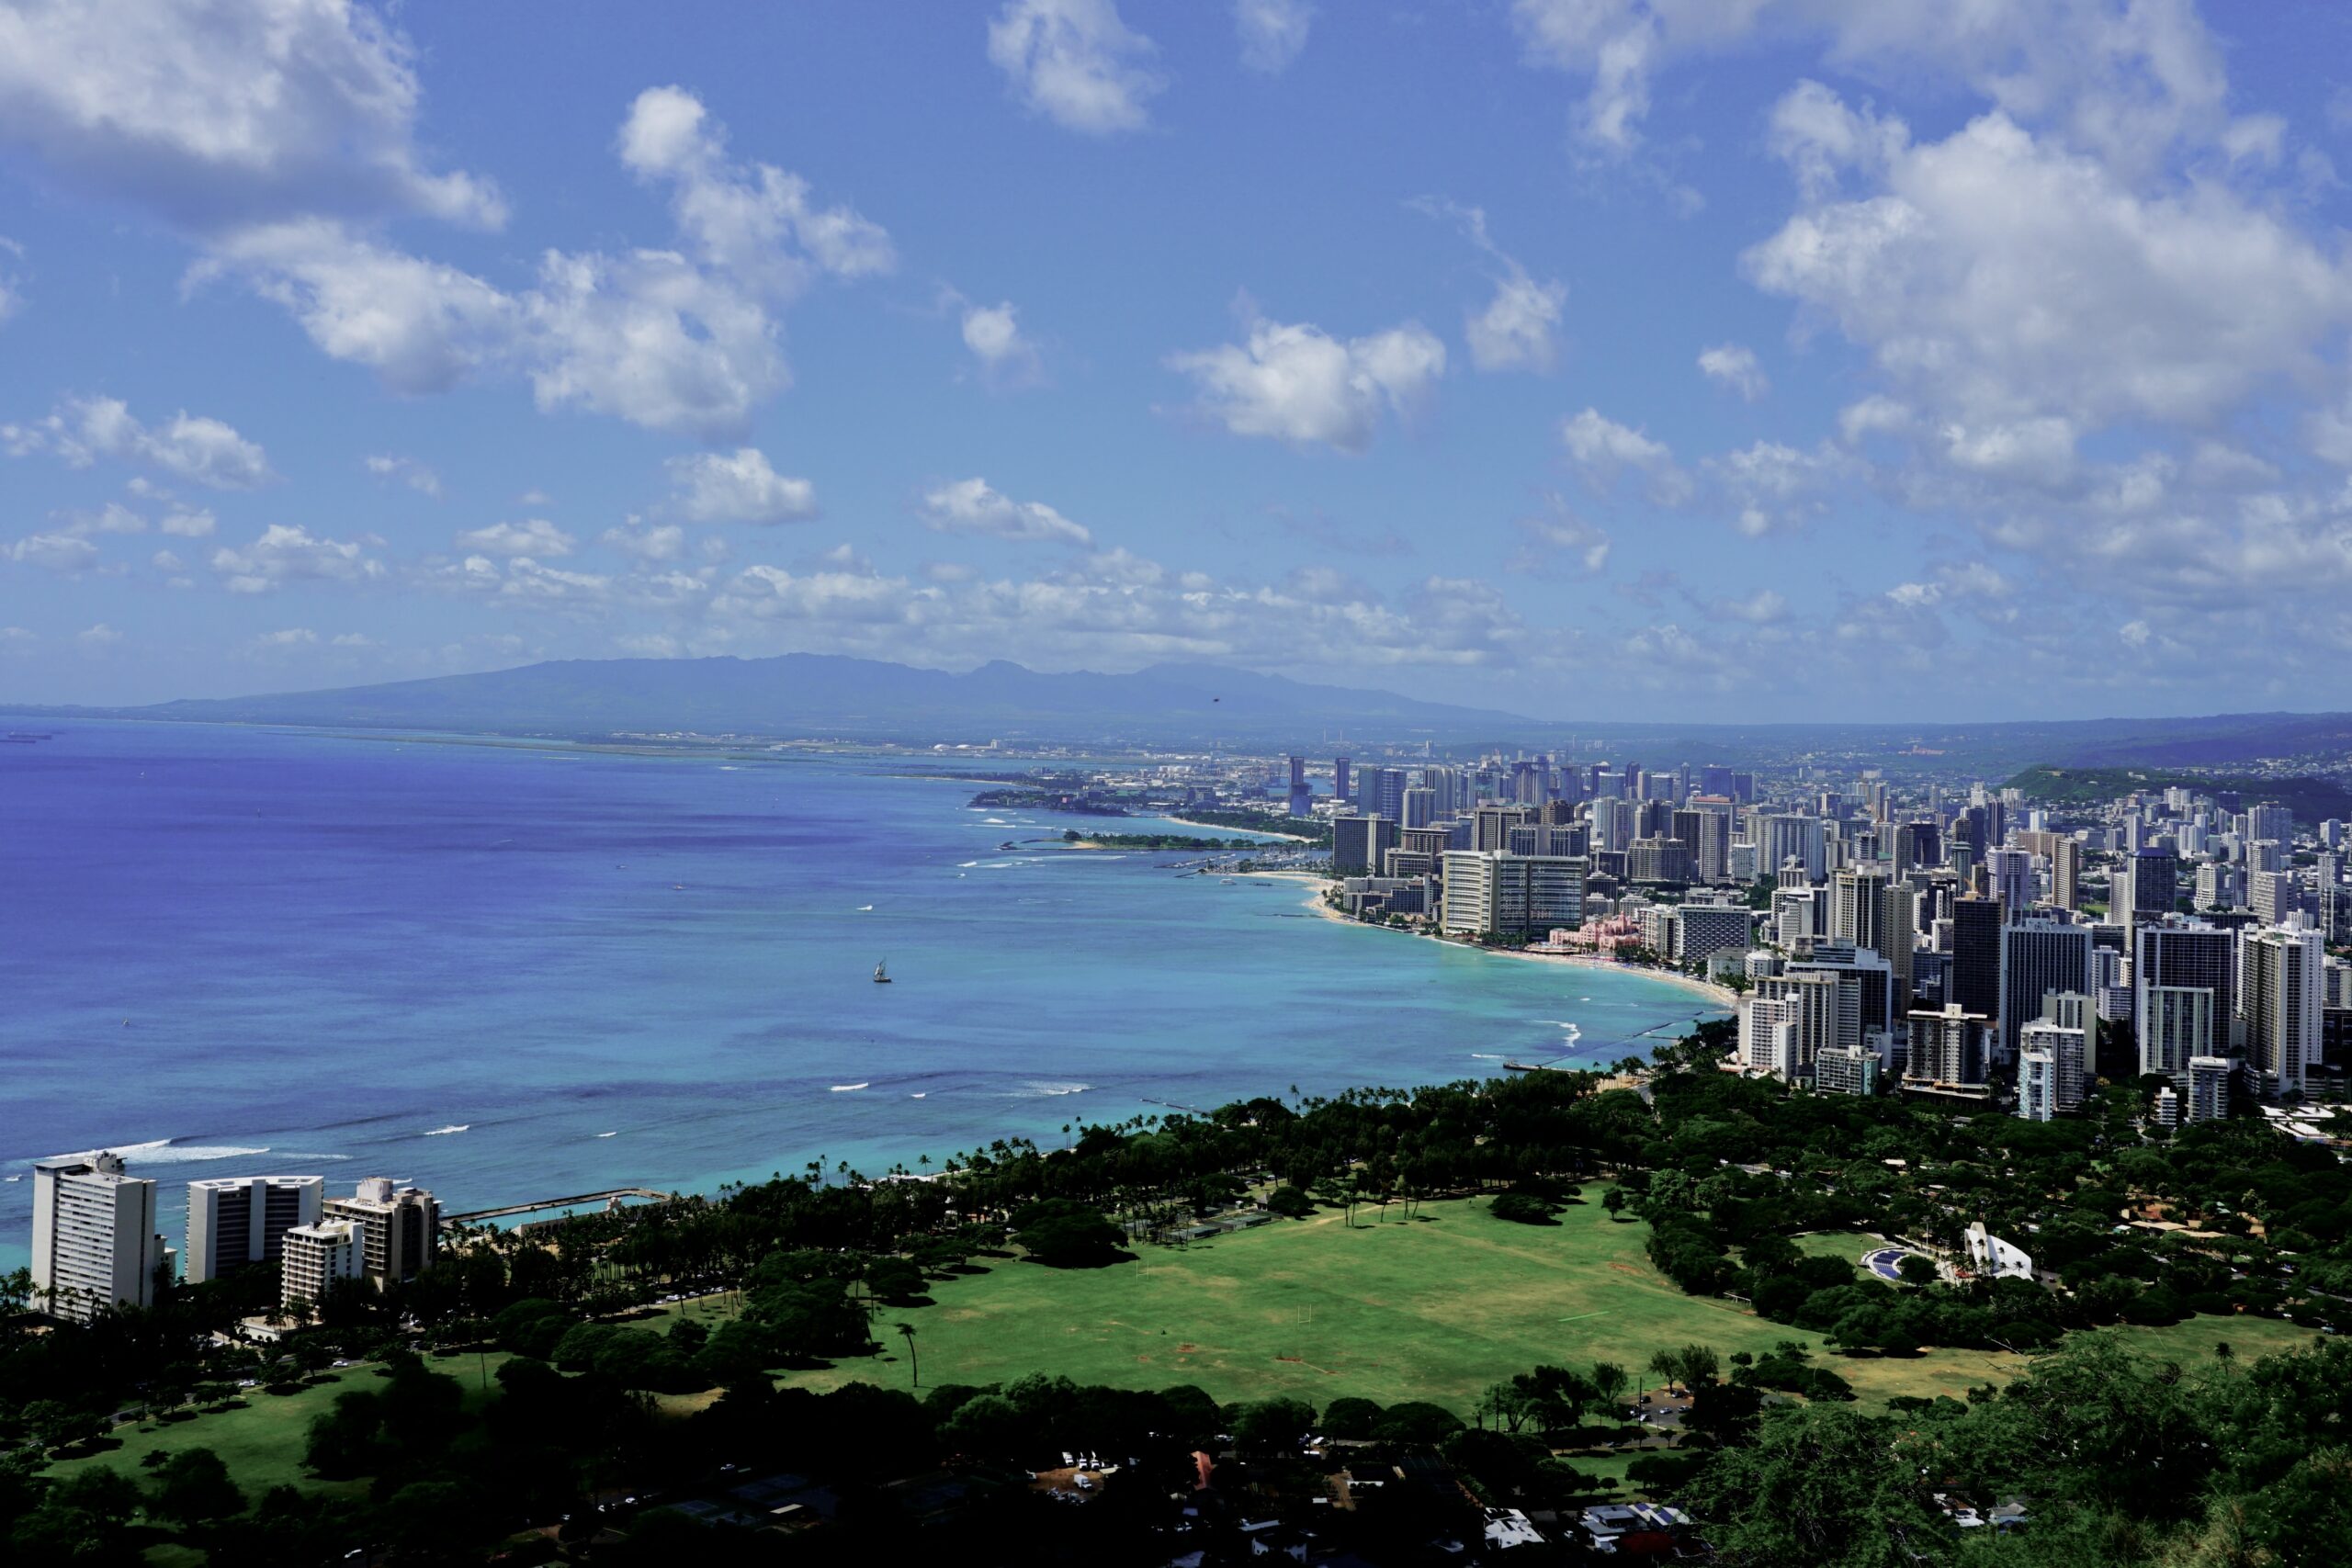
914,1363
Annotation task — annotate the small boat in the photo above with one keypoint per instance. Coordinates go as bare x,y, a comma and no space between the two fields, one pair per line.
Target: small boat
881,974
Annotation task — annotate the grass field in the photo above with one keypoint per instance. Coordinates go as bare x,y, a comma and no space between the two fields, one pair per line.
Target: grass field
1436,1309
262,1444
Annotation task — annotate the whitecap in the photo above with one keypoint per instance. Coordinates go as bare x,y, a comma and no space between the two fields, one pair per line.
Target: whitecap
1058,1089
609,1135
726,768
846,1088
1485,1057
919,1094
865,909
445,1131
969,865
162,1151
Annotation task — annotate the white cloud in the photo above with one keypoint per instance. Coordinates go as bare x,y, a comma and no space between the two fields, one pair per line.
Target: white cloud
353,639
99,635
2002,278
1297,383
1733,365
293,637
683,339
12,289
183,524
286,553
405,470
993,334
714,487
112,518
219,115
1273,32
2135,634
1075,62
971,506
533,536
1599,448
1558,531
167,561
2124,79
55,552
664,542
189,446
1514,332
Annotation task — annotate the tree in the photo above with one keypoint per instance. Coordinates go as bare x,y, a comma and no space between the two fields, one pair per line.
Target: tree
1614,1200
1917,1270
1063,1233
1609,1380
1819,1485
1272,1425
192,1488
914,1363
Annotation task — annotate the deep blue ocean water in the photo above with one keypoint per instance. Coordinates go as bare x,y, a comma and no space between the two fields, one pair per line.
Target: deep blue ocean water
511,973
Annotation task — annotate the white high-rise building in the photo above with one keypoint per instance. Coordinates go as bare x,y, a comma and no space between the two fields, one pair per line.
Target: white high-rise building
2176,1024
2067,1049
2280,1000
2010,876
2038,1086
95,1246
318,1255
236,1220
2209,1087
2038,956
1488,890
400,1228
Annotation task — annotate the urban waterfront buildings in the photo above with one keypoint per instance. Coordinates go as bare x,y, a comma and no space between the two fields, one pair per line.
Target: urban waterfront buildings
234,1221
94,1244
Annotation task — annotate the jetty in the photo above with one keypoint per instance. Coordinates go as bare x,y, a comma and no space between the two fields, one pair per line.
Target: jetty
610,1196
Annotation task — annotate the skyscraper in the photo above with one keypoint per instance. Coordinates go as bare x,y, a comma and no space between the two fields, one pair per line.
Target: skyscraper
2066,872
236,1220
2011,873
2038,956
400,1228
2177,954
1342,786
1976,955
95,1246
2281,1003
1302,800
1947,1048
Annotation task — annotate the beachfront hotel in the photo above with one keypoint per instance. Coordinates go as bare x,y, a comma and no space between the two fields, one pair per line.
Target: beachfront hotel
95,1246
234,1221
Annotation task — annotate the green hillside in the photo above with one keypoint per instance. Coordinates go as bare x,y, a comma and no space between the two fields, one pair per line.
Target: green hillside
2310,799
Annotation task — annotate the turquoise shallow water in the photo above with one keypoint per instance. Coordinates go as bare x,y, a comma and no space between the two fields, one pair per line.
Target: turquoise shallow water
510,974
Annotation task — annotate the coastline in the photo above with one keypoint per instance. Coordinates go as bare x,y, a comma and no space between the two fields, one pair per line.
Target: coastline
1722,996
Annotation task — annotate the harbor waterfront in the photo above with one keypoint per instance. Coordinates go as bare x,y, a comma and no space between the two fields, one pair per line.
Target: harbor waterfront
509,971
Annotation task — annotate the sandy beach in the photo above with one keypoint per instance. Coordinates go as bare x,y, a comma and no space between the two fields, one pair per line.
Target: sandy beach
1722,995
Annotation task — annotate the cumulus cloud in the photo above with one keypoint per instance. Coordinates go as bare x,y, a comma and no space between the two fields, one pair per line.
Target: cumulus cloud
1556,534
1733,365
1273,32
971,506
99,635
291,637
12,288
222,113
676,339
55,552
404,471
1075,62
2121,79
740,487
666,542
1298,384
284,553
183,523
533,536
993,334
2071,294
1600,449
194,448
1514,332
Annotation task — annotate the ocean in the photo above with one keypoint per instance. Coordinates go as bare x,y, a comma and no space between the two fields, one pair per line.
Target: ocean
511,973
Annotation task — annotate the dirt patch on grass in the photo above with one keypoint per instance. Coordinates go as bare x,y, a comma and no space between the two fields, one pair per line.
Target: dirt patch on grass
1626,1268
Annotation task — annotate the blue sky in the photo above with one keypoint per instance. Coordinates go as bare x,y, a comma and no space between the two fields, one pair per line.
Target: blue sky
1607,359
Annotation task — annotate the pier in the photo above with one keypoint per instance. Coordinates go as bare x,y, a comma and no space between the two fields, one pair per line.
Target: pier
610,1196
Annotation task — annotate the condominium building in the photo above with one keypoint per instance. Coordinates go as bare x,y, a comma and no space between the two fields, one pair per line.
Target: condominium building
236,1220
401,1227
1703,930
1358,842
2066,1049
1947,1047
2209,1087
95,1246
2281,1004
2038,956
1846,1069
2037,1086
318,1255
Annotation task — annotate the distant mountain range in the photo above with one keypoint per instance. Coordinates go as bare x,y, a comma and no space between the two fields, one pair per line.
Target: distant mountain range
823,696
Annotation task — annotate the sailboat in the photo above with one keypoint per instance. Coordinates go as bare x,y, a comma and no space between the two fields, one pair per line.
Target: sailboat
881,974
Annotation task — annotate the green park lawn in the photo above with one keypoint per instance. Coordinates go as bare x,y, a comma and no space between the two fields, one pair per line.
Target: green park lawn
1434,1309
262,1444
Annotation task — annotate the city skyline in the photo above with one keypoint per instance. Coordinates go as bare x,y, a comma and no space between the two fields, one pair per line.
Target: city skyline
1768,362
